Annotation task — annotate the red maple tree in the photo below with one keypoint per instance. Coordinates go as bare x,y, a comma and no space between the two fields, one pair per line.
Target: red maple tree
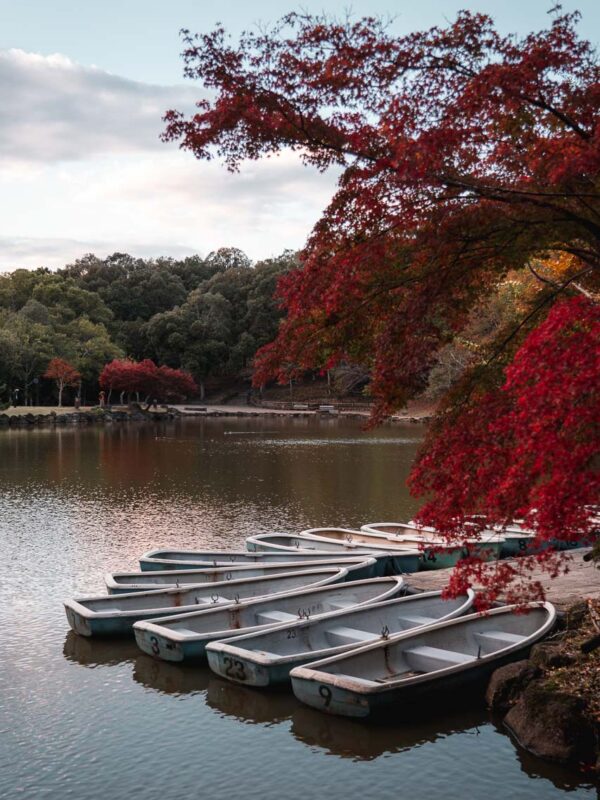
464,154
63,374
145,378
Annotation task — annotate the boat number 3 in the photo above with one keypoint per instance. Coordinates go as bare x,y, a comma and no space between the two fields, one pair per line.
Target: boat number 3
325,693
154,643
235,669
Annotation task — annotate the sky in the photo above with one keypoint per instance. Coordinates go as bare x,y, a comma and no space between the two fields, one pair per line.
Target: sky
83,86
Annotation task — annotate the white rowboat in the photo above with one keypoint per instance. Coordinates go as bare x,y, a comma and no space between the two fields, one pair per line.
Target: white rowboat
123,582
266,658
185,636
114,615
395,673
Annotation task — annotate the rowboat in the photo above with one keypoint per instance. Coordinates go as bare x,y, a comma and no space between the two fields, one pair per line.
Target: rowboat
401,558
433,554
267,657
441,553
124,582
114,615
161,560
397,672
185,636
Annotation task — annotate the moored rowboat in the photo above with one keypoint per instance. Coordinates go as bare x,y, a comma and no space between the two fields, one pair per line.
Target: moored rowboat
487,545
267,657
401,558
114,615
124,582
395,673
160,560
185,636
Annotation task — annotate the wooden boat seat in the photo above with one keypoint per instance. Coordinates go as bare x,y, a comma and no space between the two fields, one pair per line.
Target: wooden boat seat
271,617
342,635
416,619
503,638
427,658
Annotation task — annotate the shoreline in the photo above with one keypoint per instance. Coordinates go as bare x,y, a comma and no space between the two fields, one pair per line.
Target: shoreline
29,417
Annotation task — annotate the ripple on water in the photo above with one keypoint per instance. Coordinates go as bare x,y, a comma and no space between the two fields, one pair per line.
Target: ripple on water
93,719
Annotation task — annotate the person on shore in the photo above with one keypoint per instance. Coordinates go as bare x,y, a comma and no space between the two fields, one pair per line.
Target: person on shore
101,399
77,403
16,397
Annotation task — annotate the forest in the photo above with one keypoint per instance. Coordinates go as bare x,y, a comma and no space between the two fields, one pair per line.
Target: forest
207,316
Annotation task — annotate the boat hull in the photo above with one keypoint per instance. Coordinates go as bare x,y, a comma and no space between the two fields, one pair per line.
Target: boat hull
392,676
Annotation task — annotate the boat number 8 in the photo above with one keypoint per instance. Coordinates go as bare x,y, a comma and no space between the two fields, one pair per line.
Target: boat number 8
325,693
154,643
235,669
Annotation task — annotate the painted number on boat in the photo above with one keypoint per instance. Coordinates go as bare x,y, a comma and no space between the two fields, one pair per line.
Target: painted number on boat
154,643
325,693
291,634
235,669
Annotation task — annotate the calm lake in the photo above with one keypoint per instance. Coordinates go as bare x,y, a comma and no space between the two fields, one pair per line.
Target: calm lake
86,719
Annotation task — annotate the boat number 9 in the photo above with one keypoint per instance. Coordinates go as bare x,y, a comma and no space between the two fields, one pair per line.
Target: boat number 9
291,634
235,669
325,693
154,643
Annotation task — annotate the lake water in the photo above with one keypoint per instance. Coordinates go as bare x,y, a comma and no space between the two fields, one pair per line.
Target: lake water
89,720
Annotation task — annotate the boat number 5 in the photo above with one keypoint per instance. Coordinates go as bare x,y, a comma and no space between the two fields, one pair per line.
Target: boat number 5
325,693
154,643
235,669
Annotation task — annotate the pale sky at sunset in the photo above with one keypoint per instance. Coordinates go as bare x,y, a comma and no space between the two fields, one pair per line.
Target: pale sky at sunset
83,86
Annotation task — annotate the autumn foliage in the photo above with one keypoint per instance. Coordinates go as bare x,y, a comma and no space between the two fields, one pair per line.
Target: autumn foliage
148,380
63,374
465,155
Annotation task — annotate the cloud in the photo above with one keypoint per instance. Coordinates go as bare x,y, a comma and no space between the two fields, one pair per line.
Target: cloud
54,109
83,170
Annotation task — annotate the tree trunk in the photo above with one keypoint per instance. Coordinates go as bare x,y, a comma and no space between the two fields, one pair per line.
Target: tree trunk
60,391
202,390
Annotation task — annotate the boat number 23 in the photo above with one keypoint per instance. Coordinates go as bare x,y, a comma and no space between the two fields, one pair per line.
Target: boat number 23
234,669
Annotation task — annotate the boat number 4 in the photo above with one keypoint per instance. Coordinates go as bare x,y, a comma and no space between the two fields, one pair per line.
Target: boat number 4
235,669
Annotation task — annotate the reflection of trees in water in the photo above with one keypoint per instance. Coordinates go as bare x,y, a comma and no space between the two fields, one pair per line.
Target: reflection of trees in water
246,472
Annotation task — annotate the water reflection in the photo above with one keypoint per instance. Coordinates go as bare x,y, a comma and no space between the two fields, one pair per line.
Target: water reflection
75,503
363,741
561,776
98,652
249,705
161,676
